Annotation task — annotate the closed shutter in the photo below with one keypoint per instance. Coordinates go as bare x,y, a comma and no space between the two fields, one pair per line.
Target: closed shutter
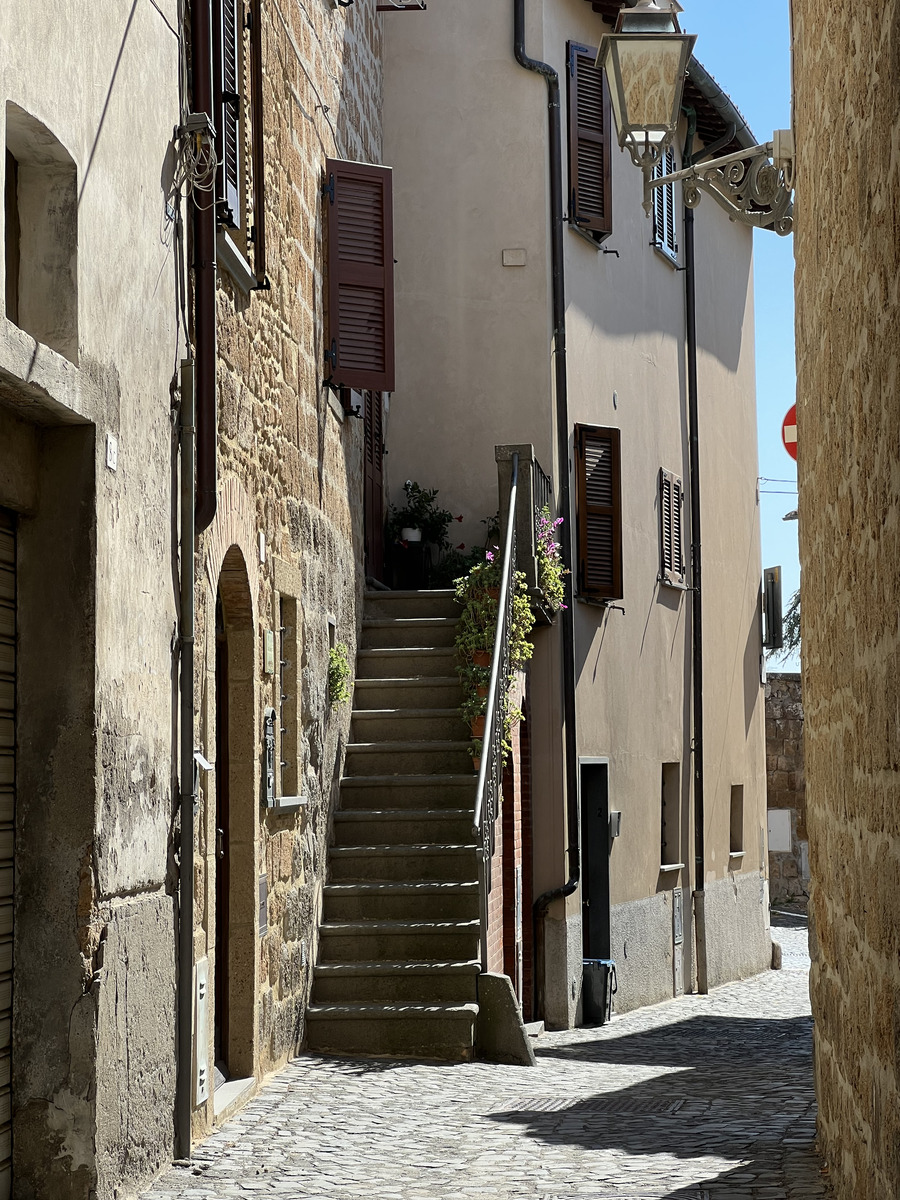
228,112
258,232
599,512
7,793
359,344
671,505
590,122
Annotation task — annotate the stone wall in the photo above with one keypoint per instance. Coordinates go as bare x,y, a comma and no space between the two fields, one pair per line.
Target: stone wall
786,788
846,82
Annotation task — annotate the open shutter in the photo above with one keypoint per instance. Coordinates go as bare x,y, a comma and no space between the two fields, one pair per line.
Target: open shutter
671,506
599,512
227,33
258,232
590,122
664,206
359,347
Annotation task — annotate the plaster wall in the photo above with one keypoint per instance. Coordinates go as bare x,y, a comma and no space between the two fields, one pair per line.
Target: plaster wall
846,78
95,792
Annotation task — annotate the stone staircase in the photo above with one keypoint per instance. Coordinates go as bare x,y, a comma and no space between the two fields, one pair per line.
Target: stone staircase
398,945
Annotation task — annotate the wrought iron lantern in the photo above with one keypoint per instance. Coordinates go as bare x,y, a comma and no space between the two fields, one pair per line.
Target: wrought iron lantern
646,61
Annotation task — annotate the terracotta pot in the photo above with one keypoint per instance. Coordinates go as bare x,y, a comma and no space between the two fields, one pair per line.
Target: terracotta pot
481,658
482,690
477,726
494,593
476,763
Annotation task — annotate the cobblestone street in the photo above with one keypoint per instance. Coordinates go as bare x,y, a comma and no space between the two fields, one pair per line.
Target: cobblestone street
697,1099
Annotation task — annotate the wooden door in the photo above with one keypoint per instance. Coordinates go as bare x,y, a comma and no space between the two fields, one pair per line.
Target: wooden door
223,838
7,798
373,503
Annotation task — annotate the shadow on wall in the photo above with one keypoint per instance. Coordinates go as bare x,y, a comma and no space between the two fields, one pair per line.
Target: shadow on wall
741,1089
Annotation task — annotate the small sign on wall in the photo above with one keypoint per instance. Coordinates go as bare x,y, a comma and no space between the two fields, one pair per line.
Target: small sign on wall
779,830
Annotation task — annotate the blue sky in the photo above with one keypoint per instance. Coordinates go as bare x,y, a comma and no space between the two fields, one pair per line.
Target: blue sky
747,49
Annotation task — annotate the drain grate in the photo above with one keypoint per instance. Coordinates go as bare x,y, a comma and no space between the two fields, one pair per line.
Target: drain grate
613,1105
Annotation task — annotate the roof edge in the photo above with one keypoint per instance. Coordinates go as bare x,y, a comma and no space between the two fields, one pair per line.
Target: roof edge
722,104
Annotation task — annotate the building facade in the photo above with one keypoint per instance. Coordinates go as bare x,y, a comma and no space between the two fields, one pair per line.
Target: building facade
846,77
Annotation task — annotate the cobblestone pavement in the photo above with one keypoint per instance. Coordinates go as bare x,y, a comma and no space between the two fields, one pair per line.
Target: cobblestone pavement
697,1099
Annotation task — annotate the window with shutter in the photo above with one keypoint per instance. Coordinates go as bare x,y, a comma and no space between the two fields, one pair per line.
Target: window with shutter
599,512
590,123
228,76
671,546
359,347
664,207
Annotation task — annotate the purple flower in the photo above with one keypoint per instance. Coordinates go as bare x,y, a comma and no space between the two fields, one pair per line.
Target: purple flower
488,556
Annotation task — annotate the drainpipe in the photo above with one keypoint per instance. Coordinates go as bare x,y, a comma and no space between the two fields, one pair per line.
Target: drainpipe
557,260
690,304
183,1089
204,280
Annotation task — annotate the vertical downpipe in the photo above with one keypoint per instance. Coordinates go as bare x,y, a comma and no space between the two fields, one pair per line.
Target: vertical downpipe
184,1082
557,260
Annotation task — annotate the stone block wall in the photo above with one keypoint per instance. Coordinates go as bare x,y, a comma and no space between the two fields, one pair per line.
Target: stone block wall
847,246
786,785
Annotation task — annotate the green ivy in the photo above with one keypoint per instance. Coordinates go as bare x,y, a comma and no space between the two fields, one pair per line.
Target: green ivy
340,677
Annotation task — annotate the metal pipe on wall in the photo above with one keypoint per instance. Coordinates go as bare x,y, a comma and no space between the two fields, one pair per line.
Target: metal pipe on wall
186,772
557,260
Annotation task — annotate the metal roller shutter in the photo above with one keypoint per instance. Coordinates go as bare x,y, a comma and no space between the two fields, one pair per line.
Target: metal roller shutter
7,796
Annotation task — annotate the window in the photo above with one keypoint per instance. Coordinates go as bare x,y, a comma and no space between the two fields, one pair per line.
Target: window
359,343
737,820
40,208
670,816
671,552
590,122
664,207
598,493
240,201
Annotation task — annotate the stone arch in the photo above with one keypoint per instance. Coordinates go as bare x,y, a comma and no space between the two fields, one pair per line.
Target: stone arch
234,526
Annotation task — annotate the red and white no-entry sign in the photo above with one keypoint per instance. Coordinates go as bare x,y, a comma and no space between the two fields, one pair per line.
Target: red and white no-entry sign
789,432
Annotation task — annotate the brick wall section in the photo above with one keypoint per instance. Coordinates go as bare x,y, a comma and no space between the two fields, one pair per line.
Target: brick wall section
846,82
300,466
786,783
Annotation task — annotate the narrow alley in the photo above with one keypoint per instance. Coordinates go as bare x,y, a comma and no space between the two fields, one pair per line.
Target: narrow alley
696,1099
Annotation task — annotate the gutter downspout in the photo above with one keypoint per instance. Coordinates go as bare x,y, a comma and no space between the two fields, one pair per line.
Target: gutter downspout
204,280
183,1087
557,259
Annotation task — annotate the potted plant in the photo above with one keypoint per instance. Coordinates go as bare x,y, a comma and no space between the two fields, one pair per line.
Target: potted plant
551,572
414,526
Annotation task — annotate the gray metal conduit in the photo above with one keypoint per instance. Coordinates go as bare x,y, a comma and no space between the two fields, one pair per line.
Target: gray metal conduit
557,259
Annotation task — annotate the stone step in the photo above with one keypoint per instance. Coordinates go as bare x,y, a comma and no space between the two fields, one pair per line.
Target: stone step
405,662
367,941
369,864
417,692
435,603
409,791
408,757
401,826
399,901
382,632
384,982
407,725
407,1030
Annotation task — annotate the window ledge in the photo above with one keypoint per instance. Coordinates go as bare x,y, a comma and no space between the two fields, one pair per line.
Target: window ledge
665,868
42,384
736,854
289,803
336,407
229,257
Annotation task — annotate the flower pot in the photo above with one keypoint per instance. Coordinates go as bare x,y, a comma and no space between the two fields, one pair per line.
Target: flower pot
411,535
481,690
481,658
476,763
477,726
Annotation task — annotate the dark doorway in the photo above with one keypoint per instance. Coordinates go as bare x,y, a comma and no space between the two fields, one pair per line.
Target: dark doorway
223,830
595,843
373,502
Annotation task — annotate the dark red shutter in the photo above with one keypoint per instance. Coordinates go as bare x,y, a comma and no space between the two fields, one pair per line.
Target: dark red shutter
590,122
359,346
226,36
599,512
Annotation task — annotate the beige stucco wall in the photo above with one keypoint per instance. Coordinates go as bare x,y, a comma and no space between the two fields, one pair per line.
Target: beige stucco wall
846,81
467,382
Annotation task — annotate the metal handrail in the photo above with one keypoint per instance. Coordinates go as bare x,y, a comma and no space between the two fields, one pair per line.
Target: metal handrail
490,771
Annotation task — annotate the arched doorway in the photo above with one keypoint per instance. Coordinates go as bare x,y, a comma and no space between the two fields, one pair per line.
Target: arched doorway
235,827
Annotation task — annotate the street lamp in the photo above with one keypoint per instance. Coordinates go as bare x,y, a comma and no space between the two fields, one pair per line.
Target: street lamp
646,60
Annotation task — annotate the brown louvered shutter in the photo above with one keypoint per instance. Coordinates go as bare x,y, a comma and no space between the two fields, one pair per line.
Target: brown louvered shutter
671,505
258,231
599,512
590,122
226,39
359,348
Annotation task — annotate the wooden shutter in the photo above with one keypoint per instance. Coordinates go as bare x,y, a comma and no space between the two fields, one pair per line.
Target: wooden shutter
359,347
671,541
599,512
226,38
590,122
258,232
664,206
